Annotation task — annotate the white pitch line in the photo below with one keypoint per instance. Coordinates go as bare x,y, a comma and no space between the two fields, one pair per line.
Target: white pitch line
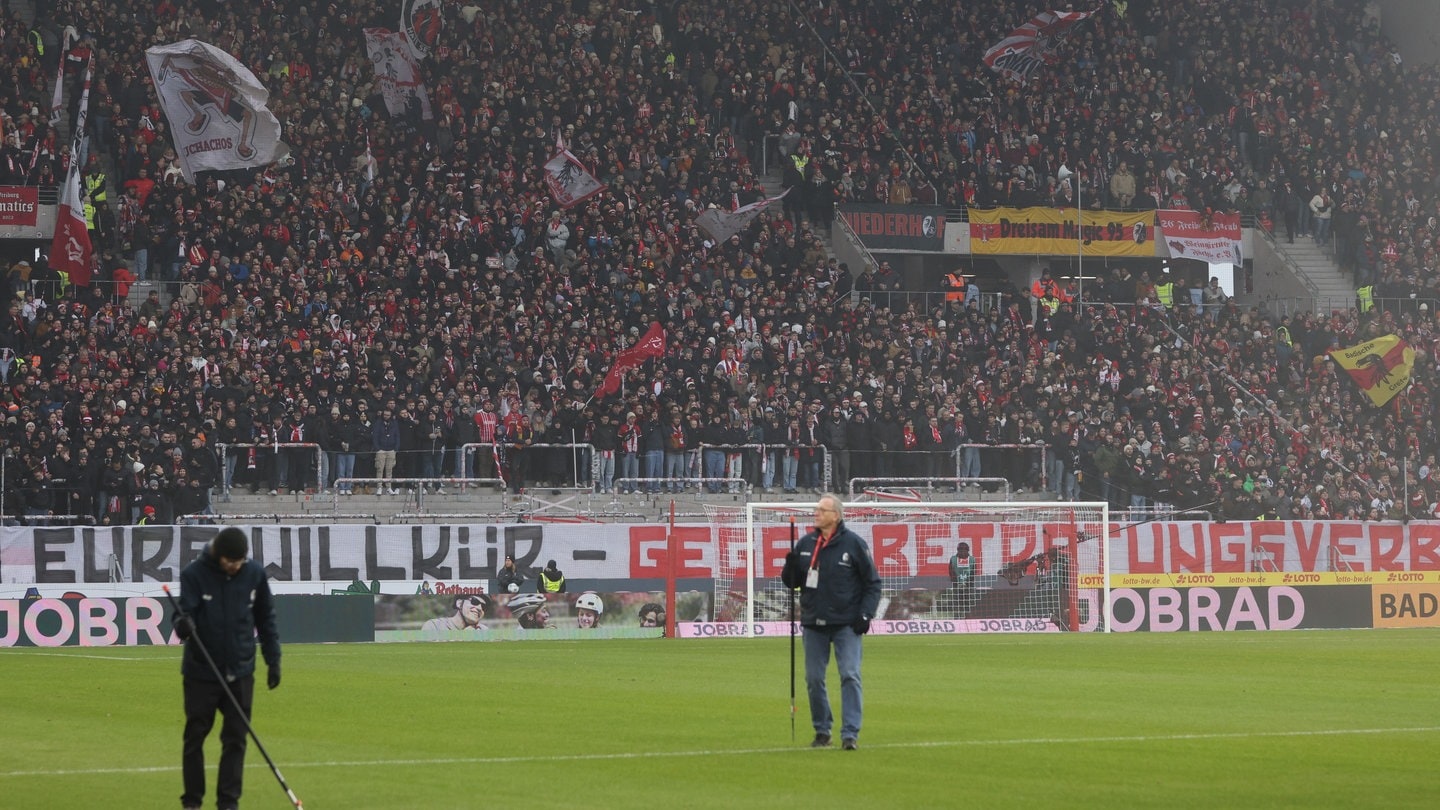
97,657
789,749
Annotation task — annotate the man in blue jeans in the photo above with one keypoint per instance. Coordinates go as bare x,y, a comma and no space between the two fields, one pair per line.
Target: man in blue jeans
839,594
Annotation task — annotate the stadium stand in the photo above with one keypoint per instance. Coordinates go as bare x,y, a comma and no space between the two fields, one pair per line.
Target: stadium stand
397,278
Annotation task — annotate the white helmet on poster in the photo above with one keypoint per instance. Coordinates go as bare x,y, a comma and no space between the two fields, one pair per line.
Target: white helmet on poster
590,601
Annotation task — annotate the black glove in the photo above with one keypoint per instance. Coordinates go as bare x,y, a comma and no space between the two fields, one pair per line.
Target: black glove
861,626
272,678
184,626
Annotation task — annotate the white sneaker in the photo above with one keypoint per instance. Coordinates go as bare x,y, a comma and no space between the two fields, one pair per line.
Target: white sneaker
394,491
274,492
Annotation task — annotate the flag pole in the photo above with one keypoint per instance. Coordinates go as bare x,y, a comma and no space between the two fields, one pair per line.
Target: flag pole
792,638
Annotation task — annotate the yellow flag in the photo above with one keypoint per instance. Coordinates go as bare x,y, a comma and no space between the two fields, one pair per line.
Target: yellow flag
1381,367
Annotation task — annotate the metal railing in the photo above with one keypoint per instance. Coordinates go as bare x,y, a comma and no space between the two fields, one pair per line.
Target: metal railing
764,451
676,486
1262,559
321,467
1324,306
1290,264
1337,560
416,488
578,450
1044,466
856,243
926,301
879,487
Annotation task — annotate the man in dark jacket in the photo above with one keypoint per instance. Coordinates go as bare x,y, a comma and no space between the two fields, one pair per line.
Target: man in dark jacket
224,600
839,594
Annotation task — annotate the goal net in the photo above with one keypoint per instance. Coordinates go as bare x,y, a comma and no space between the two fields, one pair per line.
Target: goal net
1031,567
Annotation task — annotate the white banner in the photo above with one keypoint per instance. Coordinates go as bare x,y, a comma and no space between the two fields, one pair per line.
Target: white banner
71,251
569,182
216,108
1192,235
722,225
466,555
397,73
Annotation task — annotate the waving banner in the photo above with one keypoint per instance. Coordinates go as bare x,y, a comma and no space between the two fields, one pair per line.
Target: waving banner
722,225
216,108
1381,367
651,344
1033,44
420,22
70,250
397,73
567,179
1212,238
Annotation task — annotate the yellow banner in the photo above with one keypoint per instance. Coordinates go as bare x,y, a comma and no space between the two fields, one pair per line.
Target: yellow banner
1247,578
1054,231
1381,367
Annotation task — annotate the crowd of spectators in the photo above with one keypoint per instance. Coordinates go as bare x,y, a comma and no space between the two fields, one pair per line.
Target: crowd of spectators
448,300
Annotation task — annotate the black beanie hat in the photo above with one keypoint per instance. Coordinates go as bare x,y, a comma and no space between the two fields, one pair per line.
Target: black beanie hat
230,544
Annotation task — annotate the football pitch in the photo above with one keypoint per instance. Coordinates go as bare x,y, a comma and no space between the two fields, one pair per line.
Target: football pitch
1296,719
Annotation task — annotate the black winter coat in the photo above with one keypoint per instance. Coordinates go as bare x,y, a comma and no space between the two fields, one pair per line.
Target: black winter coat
227,612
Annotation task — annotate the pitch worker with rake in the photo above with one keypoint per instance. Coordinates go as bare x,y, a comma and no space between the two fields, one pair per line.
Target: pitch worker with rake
839,594
224,600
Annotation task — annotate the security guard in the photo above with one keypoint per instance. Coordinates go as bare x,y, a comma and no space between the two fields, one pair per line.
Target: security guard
95,185
1165,289
1366,296
551,579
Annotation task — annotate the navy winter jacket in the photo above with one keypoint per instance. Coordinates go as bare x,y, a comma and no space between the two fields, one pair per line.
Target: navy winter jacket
849,585
227,612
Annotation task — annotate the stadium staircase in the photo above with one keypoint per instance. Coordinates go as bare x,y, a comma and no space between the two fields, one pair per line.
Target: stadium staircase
1313,265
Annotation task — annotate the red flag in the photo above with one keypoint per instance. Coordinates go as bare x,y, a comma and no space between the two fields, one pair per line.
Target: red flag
70,250
651,344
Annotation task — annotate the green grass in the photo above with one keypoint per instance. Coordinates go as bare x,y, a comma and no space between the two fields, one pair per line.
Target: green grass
1300,719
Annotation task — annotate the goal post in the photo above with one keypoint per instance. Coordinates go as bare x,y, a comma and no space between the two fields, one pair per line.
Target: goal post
1038,566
